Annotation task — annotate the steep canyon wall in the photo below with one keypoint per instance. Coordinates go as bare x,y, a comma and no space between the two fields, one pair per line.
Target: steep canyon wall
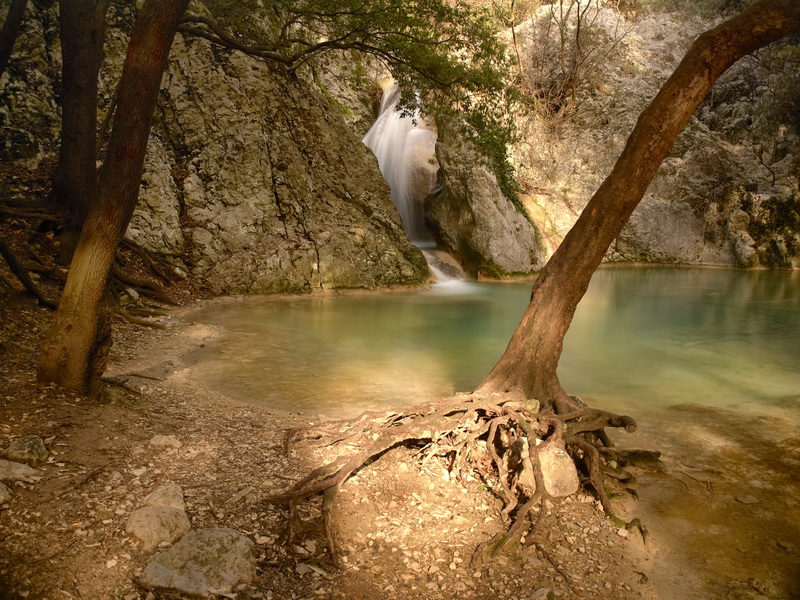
718,199
254,183
259,183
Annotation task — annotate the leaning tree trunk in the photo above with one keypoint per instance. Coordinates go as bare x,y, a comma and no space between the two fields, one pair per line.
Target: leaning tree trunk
75,184
10,31
532,355
76,347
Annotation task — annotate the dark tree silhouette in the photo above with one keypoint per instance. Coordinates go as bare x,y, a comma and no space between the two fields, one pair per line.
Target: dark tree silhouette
76,347
83,25
10,31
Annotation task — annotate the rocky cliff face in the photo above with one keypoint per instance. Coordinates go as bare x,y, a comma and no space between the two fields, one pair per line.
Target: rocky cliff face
472,218
253,180
276,193
713,201
257,183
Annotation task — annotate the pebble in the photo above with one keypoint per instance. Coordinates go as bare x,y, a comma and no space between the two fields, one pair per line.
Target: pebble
747,499
165,441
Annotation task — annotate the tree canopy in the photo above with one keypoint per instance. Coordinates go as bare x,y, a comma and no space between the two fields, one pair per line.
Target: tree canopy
446,56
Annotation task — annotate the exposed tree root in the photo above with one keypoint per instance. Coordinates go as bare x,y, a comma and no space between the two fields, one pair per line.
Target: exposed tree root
117,310
526,456
23,276
124,279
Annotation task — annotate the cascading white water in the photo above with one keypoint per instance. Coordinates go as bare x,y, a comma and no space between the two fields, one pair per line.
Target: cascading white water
406,157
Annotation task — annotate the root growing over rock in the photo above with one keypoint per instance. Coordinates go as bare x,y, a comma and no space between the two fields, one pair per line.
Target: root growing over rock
523,454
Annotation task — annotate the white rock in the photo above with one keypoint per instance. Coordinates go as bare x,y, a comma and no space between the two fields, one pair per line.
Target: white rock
165,441
168,495
747,499
153,525
558,471
14,471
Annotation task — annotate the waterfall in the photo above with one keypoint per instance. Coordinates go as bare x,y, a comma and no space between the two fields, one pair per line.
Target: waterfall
405,153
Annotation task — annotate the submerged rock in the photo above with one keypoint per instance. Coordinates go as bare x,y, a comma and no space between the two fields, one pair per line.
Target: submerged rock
204,562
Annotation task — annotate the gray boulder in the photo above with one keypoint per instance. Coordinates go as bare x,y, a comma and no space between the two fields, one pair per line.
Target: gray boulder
14,471
204,562
28,449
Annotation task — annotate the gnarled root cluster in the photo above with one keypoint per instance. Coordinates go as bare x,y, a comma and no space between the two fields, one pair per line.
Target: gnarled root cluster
523,454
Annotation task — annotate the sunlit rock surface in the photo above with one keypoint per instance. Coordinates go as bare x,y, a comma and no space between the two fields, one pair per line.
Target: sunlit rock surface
470,215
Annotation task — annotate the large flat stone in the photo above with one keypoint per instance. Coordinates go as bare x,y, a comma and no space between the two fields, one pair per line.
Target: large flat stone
204,562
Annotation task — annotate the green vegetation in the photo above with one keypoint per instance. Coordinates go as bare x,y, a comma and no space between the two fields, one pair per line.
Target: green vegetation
445,56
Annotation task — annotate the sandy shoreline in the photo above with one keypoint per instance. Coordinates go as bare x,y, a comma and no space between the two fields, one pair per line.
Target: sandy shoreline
407,528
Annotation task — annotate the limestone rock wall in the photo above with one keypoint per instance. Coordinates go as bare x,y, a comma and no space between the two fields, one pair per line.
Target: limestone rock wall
472,218
276,192
254,183
713,201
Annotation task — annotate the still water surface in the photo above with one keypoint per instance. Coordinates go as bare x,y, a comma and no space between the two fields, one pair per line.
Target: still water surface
642,337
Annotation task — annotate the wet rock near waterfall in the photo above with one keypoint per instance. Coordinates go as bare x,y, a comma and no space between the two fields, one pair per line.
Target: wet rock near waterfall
205,562
280,194
258,177
471,217
28,449
14,471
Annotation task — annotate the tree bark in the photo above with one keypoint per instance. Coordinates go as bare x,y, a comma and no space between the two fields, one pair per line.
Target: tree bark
10,31
532,355
83,25
76,347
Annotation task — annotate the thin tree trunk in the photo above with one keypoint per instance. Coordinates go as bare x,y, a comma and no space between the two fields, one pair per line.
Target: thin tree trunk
531,359
10,31
76,347
83,25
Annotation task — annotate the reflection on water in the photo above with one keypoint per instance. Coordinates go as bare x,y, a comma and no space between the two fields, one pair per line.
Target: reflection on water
640,337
